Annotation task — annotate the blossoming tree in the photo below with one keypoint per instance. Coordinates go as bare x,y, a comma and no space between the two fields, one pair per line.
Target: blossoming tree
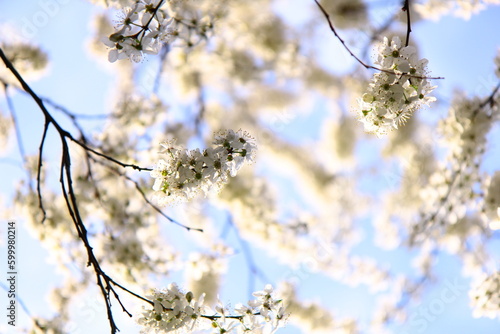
223,133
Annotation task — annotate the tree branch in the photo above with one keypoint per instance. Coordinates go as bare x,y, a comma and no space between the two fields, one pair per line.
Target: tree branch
406,8
332,28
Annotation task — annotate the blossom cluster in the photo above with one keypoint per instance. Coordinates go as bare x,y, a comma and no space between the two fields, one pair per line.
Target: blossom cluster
149,24
172,310
29,59
313,317
435,9
400,88
183,174
203,271
142,28
464,130
485,297
175,311
458,187
491,208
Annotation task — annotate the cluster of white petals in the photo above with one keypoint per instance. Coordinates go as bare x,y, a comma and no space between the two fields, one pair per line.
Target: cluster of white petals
312,317
435,9
203,271
263,311
142,28
177,312
465,128
310,204
172,310
29,59
184,174
485,297
452,187
491,207
147,25
397,91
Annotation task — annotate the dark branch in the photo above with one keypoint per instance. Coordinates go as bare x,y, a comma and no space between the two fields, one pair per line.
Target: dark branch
406,8
426,223
156,208
39,170
107,157
65,178
332,28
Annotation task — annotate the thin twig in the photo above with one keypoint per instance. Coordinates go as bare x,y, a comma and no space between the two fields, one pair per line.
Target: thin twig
254,269
490,100
200,99
18,299
67,188
17,130
165,49
406,8
155,207
376,33
332,28
107,157
51,119
71,204
39,171
73,115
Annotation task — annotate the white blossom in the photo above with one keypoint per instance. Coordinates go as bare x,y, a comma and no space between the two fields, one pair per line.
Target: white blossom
147,25
173,311
397,91
485,297
184,174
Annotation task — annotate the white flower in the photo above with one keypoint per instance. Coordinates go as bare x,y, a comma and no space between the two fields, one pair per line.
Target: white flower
184,174
485,297
173,310
140,30
126,18
395,92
